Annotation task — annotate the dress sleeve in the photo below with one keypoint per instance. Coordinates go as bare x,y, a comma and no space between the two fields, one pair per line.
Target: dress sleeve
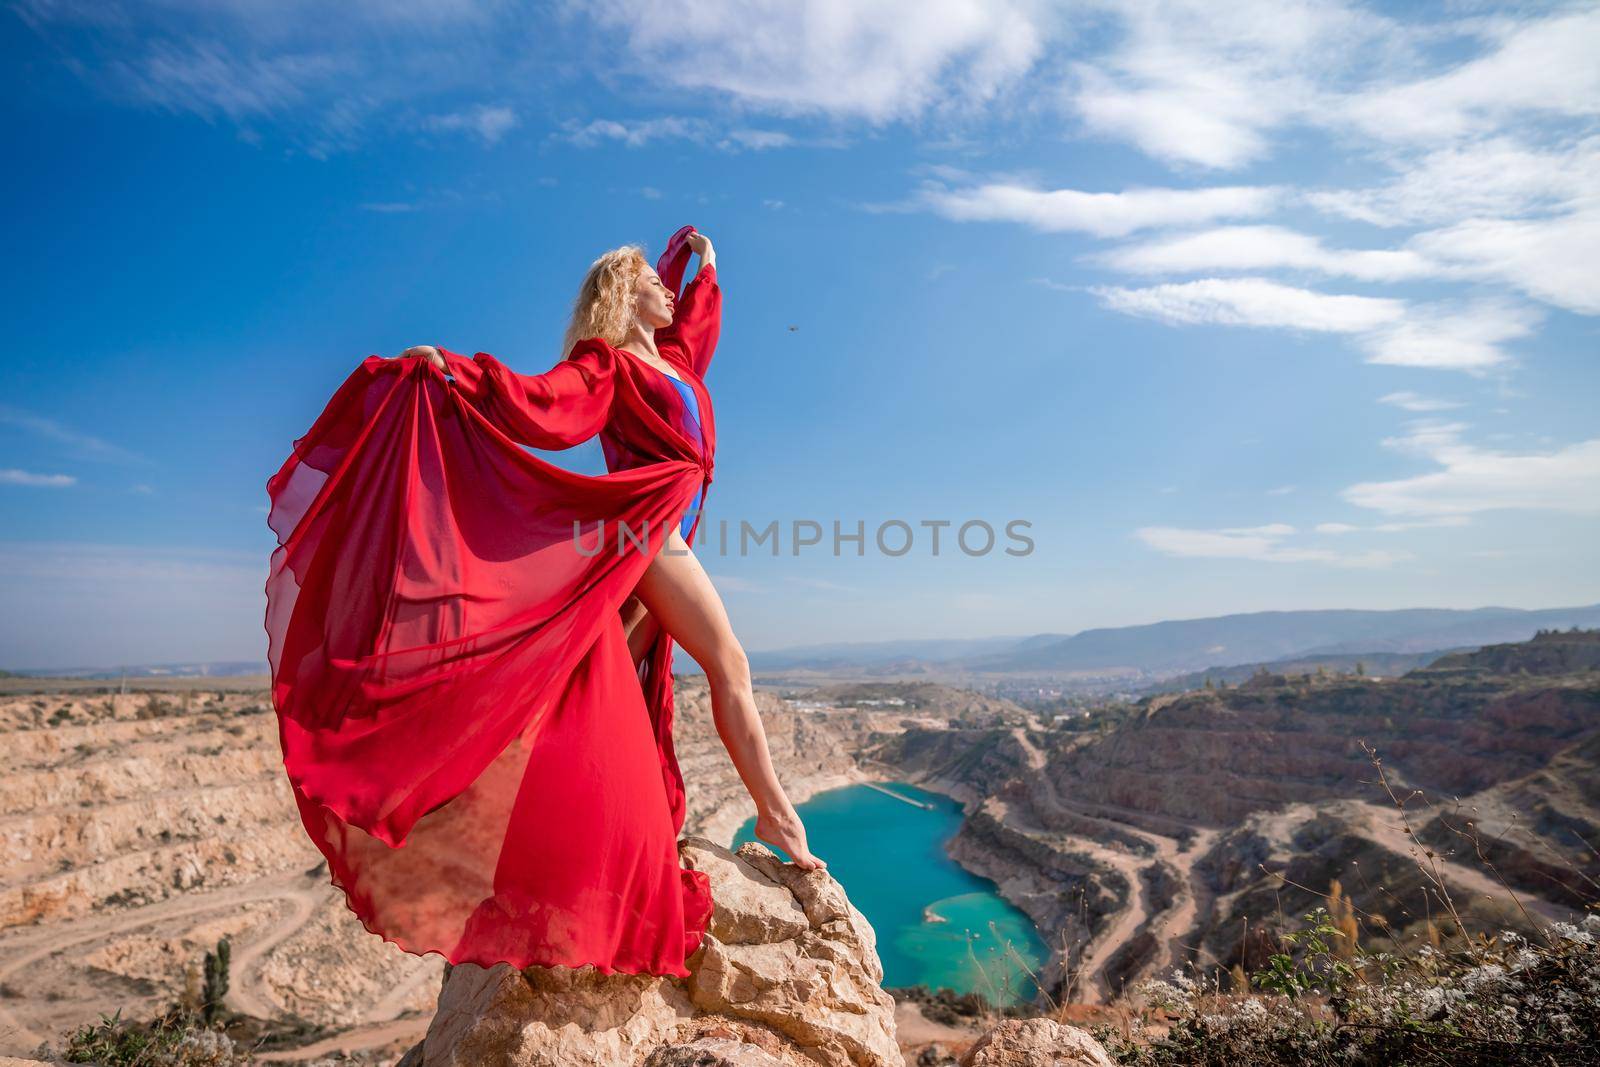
691,337
564,406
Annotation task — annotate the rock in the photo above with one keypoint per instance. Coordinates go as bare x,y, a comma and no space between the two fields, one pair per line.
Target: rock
1036,1043
788,974
712,1052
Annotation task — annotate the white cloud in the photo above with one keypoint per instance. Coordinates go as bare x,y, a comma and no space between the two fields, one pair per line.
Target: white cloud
1545,258
1550,259
1496,177
81,445
13,476
1262,543
328,76
1259,248
1535,68
1205,84
1208,85
1472,479
489,123
1102,214
760,140
635,134
1439,336
215,81
883,61
638,133
1451,337
1252,302
1282,543
1410,401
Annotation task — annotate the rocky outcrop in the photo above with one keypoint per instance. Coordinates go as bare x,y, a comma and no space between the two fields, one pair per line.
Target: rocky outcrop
1036,1043
1550,653
788,973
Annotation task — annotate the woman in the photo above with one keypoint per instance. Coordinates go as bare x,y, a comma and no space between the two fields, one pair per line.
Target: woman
473,672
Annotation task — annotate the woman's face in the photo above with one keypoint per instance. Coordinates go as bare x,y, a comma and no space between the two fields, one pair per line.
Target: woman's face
653,301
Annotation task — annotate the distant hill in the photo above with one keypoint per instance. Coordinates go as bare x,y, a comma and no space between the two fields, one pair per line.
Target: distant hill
224,669
1376,664
1264,636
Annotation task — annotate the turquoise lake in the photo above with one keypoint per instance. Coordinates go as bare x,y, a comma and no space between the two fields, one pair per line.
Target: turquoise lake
889,856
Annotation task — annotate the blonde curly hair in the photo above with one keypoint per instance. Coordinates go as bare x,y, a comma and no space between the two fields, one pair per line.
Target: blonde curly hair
605,301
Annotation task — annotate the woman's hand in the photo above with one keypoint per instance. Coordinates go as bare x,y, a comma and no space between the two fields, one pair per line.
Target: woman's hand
425,350
700,245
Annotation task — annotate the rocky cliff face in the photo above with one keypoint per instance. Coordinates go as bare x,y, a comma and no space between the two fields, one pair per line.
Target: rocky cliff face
787,974
135,832
1215,757
1136,838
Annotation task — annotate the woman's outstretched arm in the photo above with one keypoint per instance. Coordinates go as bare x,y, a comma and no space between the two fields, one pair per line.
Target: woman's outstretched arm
564,406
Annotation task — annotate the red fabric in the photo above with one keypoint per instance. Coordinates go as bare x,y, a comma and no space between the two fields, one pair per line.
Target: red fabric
466,736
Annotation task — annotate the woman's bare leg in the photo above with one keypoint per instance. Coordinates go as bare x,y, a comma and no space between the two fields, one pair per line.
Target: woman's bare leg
640,626
679,595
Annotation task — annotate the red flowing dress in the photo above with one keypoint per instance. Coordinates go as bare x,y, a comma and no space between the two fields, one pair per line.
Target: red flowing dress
468,740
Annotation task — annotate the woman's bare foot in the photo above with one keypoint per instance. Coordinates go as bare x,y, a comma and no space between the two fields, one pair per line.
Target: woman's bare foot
783,829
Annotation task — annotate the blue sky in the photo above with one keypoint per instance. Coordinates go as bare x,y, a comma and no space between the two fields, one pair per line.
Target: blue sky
1240,306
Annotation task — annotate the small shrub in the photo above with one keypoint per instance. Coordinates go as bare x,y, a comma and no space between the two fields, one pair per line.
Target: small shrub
174,1039
155,708
216,987
1509,1001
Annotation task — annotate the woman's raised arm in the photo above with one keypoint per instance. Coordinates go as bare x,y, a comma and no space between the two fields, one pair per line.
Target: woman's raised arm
691,338
564,406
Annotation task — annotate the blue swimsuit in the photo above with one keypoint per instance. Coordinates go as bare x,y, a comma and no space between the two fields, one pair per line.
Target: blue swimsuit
692,405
